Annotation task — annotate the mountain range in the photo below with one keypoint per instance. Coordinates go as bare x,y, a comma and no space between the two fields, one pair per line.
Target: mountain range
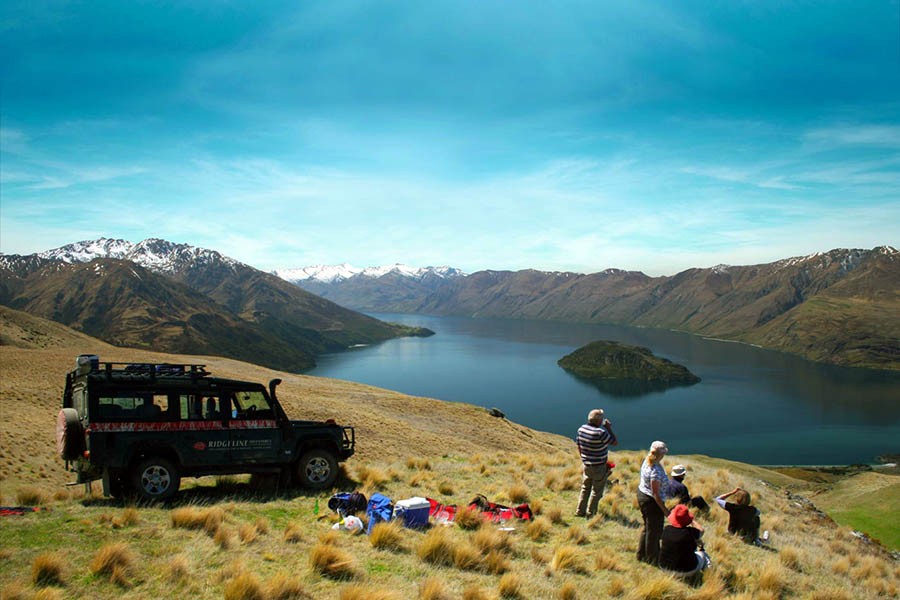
838,307
180,298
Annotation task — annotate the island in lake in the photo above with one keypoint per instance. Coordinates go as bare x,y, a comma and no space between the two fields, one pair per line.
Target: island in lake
614,360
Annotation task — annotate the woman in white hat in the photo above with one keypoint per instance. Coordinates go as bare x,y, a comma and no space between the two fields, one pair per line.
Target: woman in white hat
650,499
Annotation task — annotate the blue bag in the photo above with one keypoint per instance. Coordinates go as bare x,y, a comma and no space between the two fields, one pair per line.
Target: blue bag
380,508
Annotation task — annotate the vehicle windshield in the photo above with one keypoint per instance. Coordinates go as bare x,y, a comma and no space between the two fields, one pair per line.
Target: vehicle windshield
251,404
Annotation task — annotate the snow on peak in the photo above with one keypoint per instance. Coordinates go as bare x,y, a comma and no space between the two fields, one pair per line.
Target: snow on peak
337,273
153,253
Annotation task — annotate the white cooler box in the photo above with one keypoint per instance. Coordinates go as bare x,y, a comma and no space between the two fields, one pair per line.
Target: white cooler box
413,511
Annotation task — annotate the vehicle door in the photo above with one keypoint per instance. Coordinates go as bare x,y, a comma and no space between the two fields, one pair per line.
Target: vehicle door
203,428
255,434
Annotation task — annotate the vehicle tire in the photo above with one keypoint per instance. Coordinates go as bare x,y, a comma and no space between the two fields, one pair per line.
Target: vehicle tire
317,469
155,479
69,434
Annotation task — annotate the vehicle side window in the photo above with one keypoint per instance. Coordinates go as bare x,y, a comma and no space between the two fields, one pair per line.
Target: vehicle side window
133,406
79,401
202,407
252,405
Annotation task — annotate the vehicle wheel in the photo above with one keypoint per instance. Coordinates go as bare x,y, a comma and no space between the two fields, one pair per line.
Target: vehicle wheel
69,434
155,479
317,469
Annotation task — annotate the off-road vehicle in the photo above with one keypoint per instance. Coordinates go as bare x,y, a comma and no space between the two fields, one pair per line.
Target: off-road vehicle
140,428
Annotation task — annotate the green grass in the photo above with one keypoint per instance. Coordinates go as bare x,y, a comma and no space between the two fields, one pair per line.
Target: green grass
875,512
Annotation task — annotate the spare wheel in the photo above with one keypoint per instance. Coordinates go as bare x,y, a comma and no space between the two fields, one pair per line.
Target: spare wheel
69,434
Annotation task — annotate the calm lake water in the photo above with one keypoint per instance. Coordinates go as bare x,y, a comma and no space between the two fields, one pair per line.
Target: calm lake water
752,405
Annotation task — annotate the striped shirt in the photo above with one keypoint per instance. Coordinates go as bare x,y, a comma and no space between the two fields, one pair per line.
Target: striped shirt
651,473
593,443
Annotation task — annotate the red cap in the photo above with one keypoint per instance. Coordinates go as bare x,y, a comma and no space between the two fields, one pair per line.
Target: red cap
680,516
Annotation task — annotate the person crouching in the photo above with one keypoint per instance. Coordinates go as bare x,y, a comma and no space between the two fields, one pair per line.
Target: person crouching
681,550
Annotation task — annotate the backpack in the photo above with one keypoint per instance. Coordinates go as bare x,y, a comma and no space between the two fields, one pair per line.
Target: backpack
380,508
347,503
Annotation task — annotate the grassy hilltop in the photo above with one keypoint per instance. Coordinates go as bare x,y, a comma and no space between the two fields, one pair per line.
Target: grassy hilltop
226,538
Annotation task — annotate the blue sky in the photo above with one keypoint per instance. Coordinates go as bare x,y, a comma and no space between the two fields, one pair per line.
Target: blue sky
554,135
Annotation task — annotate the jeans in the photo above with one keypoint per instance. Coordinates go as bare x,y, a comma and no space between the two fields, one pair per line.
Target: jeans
648,545
593,482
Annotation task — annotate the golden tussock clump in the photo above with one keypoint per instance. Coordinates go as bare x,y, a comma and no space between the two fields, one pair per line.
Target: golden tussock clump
468,518
554,513
30,496
331,561
244,586
538,557
606,561
496,563
772,578
790,557
433,589
658,587
128,517
517,493
420,477
387,536
47,569
359,591
224,537
293,534
567,558
551,480
511,586
437,547
112,558
445,488
330,537
248,533
568,591
616,587
713,588
466,557
179,568
420,463
576,535
537,506
285,587
538,529
487,538
473,592
48,594
262,525
371,477
191,517
829,593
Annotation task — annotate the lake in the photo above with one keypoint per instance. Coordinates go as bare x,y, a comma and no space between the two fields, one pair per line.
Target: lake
752,405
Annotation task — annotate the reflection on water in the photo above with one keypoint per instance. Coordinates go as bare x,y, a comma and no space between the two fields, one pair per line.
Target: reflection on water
628,388
752,404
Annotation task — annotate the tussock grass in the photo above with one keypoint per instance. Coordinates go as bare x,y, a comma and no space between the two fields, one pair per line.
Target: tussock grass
538,529
568,591
437,547
616,587
466,557
224,537
576,535
285,587
488,538
537,506
372,477
829,593
554,513
248,533
360,591
388,536
193,517
607,561
49,594
419,463
333,562
567,558
47,569
658,587
114,562
30,496
790,558
517,494
511,586
433,589
473,592
496,563
772,578
179,568
420,478
445,488
293,534
262,525
244,586
468,518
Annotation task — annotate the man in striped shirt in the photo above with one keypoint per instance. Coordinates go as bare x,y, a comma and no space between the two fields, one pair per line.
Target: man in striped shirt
593,441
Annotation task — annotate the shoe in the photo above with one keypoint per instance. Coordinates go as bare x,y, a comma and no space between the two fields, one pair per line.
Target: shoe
580,515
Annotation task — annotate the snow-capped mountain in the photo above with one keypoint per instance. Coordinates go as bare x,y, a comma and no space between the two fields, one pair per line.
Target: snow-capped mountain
155,254
337,273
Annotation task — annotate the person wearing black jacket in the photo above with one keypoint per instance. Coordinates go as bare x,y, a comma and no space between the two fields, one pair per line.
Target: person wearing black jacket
680,550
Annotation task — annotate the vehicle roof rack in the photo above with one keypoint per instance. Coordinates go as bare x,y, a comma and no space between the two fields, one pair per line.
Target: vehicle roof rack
152,370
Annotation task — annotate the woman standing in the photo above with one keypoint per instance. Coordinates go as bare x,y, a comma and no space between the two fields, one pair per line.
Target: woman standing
649,497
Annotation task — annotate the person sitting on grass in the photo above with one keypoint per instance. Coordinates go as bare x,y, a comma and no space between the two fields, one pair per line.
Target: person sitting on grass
681,550
743,517
678,490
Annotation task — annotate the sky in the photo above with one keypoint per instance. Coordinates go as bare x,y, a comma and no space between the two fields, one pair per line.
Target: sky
578,136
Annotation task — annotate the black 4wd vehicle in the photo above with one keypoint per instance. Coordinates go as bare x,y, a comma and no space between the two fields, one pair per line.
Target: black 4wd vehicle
142,427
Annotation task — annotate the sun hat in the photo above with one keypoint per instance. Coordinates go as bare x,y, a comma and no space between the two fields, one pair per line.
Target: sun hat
658,445
680,516
678,470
